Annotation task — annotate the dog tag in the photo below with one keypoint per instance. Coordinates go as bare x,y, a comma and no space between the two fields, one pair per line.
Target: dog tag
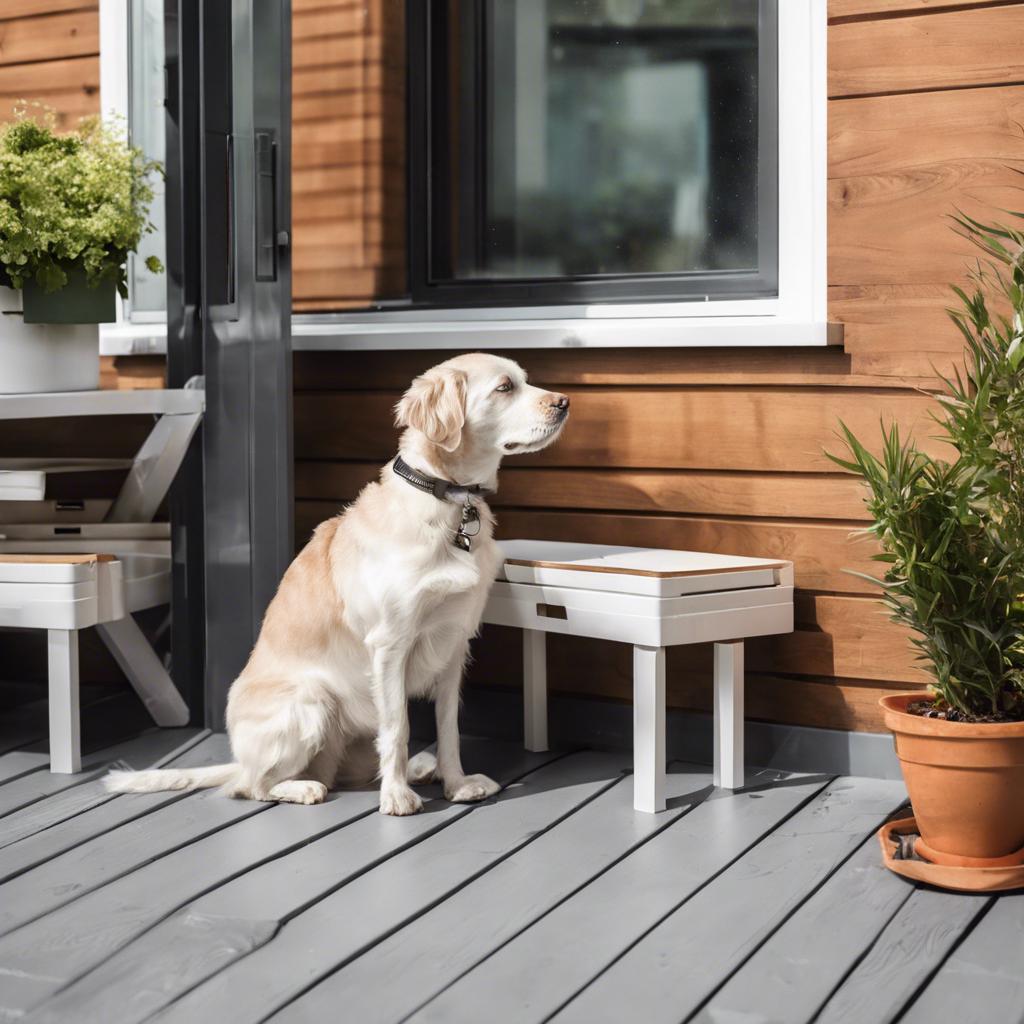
469,527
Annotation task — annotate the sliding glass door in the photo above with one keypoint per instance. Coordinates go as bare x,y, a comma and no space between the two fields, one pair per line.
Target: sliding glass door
228,97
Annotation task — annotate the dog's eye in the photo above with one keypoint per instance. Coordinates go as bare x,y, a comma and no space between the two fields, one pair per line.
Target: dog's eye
504,386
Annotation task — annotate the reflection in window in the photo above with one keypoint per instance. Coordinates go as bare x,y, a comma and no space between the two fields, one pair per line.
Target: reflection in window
146,128
590,138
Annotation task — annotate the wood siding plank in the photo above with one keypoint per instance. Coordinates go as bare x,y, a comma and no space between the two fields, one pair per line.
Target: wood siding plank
759,429
825,556
941,50
626,366
602,670
31,8
50,37
812,496
868,8
836,637
899,166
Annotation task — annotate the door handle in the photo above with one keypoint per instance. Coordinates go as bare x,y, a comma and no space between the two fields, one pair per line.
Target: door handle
267,239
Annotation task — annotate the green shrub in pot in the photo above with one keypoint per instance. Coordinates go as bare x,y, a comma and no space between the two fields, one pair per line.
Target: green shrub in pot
951,532
72,207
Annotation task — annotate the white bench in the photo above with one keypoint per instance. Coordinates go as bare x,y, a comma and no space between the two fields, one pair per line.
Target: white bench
652,599
63,593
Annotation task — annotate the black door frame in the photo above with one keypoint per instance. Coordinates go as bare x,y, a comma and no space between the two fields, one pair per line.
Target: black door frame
228,320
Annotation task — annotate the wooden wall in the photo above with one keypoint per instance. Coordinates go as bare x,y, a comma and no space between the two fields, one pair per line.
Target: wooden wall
49,52
348,152
348,115
714,449
722,450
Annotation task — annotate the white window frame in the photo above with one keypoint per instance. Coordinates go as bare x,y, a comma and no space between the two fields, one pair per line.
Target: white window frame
796,317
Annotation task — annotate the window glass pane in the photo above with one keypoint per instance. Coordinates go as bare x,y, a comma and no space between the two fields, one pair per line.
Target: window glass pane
598,137
148,291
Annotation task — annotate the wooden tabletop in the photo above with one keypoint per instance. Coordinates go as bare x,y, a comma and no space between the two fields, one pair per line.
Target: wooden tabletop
68,559
662,563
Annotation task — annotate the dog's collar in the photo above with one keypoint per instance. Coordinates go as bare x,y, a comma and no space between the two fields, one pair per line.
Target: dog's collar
443,490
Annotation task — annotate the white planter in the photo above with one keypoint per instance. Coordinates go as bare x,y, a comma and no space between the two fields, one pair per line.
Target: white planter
45,357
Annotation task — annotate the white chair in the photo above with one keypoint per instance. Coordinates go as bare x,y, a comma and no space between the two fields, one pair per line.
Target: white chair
652,599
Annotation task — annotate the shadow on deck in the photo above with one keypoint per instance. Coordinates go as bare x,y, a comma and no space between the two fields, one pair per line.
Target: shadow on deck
555,900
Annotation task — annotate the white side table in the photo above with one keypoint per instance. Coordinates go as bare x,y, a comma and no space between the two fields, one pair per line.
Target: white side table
652,599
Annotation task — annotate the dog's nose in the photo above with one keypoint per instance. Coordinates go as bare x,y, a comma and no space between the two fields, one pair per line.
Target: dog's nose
561,403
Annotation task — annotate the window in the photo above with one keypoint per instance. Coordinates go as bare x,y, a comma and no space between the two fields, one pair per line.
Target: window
490,173
588,151
146,128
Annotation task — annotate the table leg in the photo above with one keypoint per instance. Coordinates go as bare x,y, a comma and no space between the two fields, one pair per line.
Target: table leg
133,654
728,724
65,718
535,690
649,728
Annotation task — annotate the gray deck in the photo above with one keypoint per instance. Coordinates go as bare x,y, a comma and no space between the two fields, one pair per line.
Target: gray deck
554,901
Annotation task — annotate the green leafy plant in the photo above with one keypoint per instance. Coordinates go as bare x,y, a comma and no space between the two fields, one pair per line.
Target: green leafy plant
79,199
952,530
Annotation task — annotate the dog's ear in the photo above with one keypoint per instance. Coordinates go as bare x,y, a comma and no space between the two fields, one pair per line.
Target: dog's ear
435,405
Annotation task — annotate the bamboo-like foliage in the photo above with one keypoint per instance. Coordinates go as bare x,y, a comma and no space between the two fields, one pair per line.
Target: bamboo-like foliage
952,530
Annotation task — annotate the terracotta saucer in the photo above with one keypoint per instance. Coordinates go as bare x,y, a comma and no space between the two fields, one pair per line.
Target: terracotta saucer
900,842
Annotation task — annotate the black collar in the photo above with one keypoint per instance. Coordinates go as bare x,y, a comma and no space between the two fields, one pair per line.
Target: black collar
443,490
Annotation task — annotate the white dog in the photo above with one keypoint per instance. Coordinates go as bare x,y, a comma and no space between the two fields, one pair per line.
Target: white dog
380,606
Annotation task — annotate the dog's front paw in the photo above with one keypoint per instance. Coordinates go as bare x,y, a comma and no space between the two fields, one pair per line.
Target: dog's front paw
399,800
470,788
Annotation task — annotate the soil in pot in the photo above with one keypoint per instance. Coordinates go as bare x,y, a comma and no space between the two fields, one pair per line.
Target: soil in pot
965,780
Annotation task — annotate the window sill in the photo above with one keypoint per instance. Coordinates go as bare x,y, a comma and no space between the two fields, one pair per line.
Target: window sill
316,334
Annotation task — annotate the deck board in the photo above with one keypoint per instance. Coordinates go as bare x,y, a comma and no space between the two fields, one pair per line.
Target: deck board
982,980
689,929
554,900
775,983
106,814
913,945
450,939
149,748
350,919
617,908
50,953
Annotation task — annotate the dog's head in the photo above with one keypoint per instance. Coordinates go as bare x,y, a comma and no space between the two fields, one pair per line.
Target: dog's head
484,403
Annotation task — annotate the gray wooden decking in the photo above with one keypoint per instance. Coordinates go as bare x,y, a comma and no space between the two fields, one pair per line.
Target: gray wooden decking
554,901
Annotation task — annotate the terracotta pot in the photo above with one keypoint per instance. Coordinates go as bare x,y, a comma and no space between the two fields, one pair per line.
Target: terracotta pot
966,782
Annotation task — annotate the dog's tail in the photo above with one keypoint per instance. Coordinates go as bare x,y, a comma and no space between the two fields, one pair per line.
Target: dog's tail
157,779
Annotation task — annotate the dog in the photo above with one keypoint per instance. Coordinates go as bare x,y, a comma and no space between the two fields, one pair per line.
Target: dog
380,607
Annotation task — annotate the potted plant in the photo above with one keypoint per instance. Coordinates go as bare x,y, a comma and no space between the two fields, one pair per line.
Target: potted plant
72,207
952,537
